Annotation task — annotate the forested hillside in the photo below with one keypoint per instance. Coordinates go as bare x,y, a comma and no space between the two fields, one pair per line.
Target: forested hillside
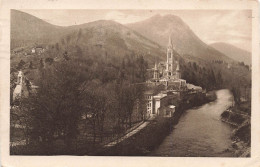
233,52
114,44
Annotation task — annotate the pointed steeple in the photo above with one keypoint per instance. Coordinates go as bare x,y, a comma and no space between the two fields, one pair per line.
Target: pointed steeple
170,42
155,67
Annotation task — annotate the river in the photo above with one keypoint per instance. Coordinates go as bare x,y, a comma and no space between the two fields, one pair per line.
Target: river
200,132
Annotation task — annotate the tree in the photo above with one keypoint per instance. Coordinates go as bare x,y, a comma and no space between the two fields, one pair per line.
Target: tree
49,60
55,109
79,35
219,79
236,93
212,79
21,65
129,99
41,65
195,66
79,52
57,46
142,66
31,65
66,56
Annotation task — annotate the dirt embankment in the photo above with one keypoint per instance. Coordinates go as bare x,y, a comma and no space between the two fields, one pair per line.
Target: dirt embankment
239,117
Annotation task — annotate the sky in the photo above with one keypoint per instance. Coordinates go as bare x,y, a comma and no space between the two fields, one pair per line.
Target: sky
229,26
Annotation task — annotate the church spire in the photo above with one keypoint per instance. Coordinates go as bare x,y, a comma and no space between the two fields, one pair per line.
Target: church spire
169,62
170,42
155,66
156,72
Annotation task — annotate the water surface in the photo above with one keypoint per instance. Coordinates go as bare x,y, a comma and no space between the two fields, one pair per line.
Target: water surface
200,132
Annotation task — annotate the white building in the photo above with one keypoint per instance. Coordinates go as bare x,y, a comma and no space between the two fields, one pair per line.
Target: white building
159,100
21,89
19,84
149,102
33,50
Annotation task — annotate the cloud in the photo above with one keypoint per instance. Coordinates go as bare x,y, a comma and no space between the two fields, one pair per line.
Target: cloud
233,27
123,17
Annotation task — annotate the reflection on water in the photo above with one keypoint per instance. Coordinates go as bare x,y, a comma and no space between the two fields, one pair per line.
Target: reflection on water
200,132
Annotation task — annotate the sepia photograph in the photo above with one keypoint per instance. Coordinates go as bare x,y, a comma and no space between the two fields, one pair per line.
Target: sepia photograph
170,83
103,82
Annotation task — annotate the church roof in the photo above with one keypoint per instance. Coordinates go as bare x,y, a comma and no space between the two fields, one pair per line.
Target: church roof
160,96
150,91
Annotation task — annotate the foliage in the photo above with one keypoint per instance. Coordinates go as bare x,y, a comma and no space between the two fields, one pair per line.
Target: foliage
101,95
21,65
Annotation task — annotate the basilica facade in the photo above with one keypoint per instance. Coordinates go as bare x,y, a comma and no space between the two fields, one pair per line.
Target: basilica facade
168,73
165,86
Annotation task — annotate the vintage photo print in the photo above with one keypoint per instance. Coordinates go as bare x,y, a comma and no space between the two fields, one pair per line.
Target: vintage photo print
131,82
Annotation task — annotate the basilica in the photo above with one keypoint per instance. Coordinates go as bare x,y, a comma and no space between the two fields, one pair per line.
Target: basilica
168,73
165,88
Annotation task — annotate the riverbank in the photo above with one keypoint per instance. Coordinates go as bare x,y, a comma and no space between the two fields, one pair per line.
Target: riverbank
150,137
239,117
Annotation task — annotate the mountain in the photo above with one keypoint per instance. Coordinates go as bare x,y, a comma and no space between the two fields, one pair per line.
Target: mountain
107,45
111,38
27,29
158,28
233,52
94,38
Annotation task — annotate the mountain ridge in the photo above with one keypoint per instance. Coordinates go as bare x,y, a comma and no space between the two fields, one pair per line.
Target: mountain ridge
30,30
185,41
233,52
112,43
97,36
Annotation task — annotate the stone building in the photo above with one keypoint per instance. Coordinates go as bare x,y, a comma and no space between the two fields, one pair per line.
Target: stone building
161,103
149,102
